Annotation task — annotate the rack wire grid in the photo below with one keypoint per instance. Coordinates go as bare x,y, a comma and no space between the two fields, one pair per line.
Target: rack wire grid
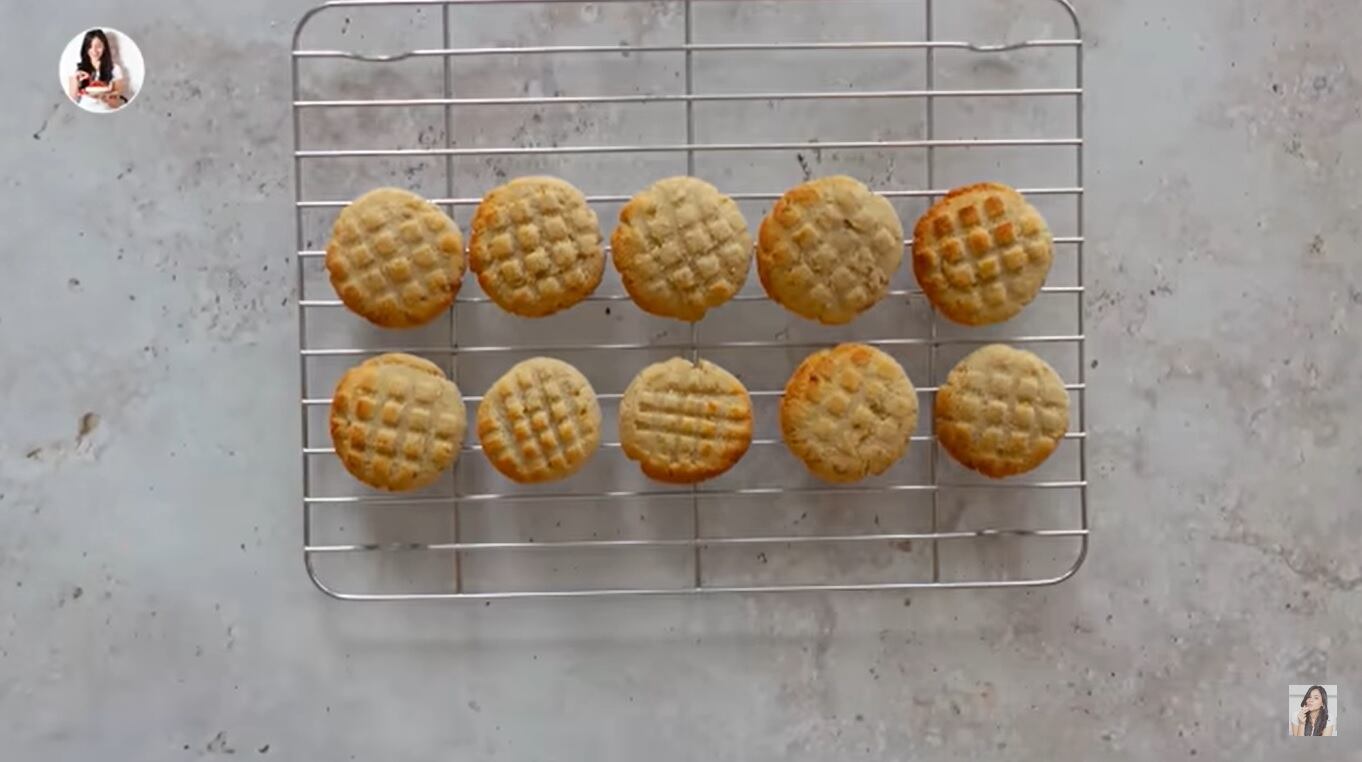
909,96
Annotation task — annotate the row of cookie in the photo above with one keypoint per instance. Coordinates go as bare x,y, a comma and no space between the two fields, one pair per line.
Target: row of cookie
826,251
848,413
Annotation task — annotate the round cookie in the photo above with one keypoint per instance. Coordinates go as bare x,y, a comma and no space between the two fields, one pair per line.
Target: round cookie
536,246
981,253
397,422
681,248
848,412
540,421
828,249
685,422
395,258
1002,411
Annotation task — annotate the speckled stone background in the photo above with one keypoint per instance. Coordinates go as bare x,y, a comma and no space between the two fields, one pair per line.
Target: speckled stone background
153,604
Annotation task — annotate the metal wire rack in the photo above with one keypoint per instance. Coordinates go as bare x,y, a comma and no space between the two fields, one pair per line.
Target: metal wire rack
637,91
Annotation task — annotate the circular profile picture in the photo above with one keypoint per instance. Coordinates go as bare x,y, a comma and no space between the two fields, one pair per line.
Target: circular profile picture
101,70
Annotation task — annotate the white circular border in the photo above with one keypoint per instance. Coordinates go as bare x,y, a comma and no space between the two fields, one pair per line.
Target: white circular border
128,54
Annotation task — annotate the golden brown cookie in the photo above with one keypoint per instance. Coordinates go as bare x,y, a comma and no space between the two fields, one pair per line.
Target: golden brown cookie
681,248
981,253
848,412
540,421
1002,411
828,249
397,422
536,246
395,258
685,422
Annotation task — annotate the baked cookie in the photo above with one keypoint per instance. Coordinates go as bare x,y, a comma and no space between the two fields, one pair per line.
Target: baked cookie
681,248
828,249
981,254
685,422
395,258
540,421
1002,411
848,412
397,422
536,246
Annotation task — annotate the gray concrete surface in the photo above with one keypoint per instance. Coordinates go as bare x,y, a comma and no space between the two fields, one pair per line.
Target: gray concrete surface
153,605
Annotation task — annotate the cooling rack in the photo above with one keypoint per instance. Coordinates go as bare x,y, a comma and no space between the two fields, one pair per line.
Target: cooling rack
451,97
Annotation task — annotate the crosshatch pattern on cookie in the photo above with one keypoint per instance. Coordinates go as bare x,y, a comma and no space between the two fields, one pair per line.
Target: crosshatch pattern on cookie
828,249
536,246
981,254
682,248
1002,411
540,421
848,412
395,258
397,422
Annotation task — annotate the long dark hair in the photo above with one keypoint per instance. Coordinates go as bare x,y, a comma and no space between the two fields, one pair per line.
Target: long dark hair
1322,719
103,71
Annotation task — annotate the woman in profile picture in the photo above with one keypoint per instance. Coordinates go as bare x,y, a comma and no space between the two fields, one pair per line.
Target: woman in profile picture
1313,718
98,82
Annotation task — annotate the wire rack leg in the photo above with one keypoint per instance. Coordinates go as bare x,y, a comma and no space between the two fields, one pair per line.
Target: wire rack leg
1082,345
299,244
